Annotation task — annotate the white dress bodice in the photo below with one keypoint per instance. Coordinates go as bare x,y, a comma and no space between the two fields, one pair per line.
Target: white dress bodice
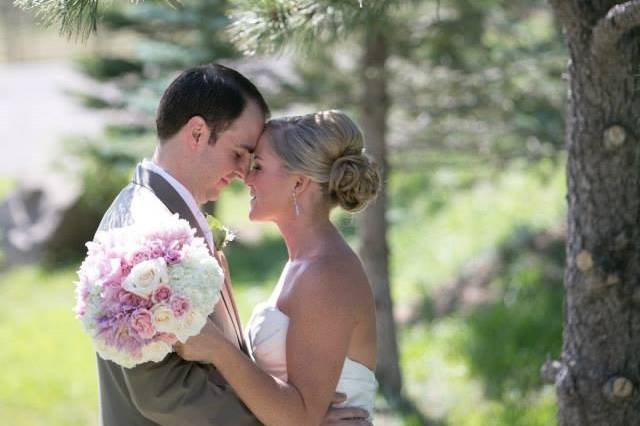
266,335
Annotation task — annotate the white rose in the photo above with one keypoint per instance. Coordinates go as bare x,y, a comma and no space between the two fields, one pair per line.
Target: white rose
190,325
146,276
163,318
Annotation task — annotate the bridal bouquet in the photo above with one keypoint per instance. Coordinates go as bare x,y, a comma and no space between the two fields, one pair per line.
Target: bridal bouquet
142,288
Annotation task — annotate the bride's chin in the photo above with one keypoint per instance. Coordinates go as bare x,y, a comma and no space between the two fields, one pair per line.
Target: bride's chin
252,215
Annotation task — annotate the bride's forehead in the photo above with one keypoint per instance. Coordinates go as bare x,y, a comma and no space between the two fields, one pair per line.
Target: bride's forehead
263,144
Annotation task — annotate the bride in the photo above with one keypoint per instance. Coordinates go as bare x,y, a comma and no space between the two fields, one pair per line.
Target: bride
316,334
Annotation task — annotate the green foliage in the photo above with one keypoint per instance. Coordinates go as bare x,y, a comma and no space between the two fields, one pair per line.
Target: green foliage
107,68
509,340
466,213
488,356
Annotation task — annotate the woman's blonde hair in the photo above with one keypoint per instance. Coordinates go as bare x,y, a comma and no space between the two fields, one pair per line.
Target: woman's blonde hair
328,147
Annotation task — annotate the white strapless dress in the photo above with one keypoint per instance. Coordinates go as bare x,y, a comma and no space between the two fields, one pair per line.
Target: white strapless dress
266,334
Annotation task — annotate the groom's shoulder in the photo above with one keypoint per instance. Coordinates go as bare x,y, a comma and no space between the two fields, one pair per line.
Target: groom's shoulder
133,204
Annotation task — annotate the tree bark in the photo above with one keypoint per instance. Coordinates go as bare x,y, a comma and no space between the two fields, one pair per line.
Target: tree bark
374,249
598,375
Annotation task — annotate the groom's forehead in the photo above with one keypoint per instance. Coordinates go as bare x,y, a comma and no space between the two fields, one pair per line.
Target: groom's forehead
245,144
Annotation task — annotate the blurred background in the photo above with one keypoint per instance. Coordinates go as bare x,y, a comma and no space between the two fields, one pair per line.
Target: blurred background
462,100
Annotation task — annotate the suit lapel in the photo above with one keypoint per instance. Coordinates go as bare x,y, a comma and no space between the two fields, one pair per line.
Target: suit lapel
176,204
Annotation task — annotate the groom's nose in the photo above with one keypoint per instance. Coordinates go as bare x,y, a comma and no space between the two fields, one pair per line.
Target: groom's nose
243,168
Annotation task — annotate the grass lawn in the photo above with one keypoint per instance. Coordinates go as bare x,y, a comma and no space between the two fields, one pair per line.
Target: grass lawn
49,366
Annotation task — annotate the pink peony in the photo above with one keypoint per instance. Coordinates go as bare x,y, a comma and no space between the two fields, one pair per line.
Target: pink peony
142,322
162,293
179,305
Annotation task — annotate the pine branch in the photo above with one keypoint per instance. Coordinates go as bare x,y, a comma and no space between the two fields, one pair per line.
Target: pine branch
621,19
76,18
268,25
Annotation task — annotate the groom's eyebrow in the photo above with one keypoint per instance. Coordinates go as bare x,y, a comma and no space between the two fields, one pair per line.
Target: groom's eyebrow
248,147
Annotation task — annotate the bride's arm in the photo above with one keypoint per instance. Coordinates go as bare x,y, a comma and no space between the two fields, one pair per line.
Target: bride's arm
321,321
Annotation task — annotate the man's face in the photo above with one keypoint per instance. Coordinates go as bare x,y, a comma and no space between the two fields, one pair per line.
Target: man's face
229,157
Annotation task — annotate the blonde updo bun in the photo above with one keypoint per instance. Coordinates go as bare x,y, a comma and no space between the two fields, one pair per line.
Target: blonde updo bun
353,181
328,147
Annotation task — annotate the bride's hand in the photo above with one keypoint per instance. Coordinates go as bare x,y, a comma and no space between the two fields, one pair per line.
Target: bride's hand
202,346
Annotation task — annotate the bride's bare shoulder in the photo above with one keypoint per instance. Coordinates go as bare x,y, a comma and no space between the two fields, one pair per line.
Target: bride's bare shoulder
334,279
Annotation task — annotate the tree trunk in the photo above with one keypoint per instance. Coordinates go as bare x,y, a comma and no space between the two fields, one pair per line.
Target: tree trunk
598,376
374,249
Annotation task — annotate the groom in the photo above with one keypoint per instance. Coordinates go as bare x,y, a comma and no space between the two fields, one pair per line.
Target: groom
208,123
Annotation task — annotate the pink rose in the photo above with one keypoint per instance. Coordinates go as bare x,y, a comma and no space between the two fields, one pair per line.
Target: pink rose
140,256
179,305
129,299
110,291
172,256
162,293
155,249
168,338
125,267
142,322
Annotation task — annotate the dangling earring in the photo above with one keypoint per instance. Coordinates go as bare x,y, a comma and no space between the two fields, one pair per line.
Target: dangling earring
295,204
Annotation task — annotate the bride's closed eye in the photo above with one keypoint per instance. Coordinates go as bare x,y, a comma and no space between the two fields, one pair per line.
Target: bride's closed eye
255,166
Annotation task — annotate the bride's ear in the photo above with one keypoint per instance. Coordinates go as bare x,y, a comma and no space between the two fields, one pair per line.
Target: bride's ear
302,184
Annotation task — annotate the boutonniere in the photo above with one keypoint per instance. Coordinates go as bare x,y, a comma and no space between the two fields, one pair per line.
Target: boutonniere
222,235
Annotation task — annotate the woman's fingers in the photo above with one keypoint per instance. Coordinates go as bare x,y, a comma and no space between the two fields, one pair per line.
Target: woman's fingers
346,414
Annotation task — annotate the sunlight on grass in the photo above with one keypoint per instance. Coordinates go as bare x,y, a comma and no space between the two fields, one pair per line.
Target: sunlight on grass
50,364
428,249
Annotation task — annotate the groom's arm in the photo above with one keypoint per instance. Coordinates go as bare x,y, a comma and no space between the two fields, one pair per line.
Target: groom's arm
175,392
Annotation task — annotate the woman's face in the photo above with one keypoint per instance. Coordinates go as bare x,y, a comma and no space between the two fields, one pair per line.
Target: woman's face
270,184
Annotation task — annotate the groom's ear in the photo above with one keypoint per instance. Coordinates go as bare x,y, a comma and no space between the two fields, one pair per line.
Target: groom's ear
197,132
